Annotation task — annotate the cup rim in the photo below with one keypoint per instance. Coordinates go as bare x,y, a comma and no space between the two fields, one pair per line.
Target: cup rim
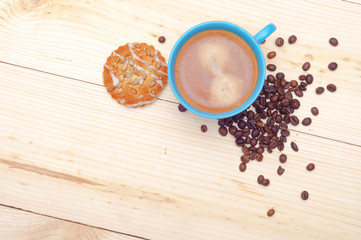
209,25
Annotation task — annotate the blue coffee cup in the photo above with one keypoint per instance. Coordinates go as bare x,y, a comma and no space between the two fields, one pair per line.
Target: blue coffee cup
252,41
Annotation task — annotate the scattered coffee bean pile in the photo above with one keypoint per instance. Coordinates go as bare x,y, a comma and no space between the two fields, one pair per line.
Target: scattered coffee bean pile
266,127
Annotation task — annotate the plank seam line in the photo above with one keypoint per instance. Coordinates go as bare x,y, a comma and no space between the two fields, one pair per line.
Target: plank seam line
71,78
351,2
66,220
331,139
165,100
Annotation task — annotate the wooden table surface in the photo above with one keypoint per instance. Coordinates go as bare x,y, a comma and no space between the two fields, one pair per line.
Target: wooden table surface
74,164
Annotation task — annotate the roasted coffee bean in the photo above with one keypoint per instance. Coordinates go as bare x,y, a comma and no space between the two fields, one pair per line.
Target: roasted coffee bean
333,41
259,158
283,126
331,87
250,114
232,130
229,122
246,131
257,117
280,170
265,182
302,77
271,78
295,104
306,121
255,133
271,54
289,96
280,76
294,146
283,158
310,167
306,66
253,156
269,89
223,131
294,83
269,150
285,102
271,67
281,91
271,211
280,145
278,118
242,124
294,120
161,39
238,134
260,179
242,167
292,39
253,142
181,108
252,149
260,150
287,86
285,133
245,159
309,79
304,195
332,66
273,144
283,139
314,111
320,90
298,92
248,140
204,128
240,141
274,98
279,42
293,89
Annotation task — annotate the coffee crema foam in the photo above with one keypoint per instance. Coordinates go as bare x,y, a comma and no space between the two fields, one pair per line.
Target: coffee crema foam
216,71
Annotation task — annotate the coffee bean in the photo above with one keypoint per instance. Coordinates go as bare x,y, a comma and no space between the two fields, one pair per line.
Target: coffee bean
242,167
292,39
260,150
280,145
181,108
242,124
271,55
259,158
238,134
331,87
332,66
285,133
253,156
161,39
295,104
294,120
250,114
271,67
223,131
252,149
255,133
302,77
298,92
279,118
240,141
306,66
320,90
271,78
304,195
283,158
309,79
260,179
333,41
294,83
265,182
314,111
310,167
204,128
280,76
279,42
245,150
306,121
280,170
294,146
302,86
232,130
245,159
270,212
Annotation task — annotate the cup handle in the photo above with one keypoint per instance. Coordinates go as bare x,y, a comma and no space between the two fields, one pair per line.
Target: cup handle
264,33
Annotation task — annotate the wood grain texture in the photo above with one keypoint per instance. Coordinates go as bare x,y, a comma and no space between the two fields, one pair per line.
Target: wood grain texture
16,224
69,151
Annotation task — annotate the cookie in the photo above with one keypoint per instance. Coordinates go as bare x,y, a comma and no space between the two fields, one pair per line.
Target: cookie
135,74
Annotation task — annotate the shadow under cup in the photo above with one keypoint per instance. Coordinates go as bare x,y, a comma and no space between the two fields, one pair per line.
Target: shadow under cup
253,42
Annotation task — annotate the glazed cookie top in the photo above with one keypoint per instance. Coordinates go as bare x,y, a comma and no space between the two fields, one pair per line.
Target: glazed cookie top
135,74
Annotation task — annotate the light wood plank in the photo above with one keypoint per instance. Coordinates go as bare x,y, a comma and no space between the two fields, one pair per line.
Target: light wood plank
16,224
73,38
68,151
